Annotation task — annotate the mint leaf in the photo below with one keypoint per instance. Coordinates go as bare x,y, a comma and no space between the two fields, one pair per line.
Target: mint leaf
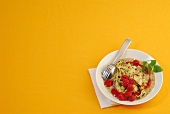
157,68
149,68
143,68
144,63
153,62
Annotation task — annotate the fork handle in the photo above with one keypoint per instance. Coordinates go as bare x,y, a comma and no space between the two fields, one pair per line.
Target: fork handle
122,50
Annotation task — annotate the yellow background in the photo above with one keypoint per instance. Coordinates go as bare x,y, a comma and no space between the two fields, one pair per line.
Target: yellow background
47,46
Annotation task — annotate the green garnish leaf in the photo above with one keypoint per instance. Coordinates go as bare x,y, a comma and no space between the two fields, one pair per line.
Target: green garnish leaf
143,68
149,67
153,62
157,68
144,63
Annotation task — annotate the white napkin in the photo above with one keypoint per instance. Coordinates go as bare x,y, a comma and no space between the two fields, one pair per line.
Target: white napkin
103,101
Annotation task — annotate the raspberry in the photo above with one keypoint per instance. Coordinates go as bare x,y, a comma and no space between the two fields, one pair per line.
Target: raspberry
121,97
138,93
129,62
134,94
128,93
117,94
136,62
148,84
125,77
125,83
140,65
108,83
131,81
114,91
130,87
132,98
146,71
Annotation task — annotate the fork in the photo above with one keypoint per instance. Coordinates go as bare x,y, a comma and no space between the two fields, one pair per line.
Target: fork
108,71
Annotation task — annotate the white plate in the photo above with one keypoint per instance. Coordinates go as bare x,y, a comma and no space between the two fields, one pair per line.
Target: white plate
130,53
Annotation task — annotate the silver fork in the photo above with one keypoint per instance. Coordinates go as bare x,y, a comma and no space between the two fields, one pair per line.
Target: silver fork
108,71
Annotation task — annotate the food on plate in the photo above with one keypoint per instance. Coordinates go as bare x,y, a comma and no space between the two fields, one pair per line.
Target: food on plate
132,79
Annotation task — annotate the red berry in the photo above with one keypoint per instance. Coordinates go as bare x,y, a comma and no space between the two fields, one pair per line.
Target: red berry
114,91
108,83
148,84
121,97
131,62
125,77
128,93
125,83
134,94
130,87
126,80
131,81
140,65
117,94
136,62
146,71
138,93
132,98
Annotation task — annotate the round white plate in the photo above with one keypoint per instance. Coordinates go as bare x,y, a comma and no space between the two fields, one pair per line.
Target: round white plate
130,53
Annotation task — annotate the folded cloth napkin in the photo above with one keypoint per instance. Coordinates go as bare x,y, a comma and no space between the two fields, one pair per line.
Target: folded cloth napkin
104,102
